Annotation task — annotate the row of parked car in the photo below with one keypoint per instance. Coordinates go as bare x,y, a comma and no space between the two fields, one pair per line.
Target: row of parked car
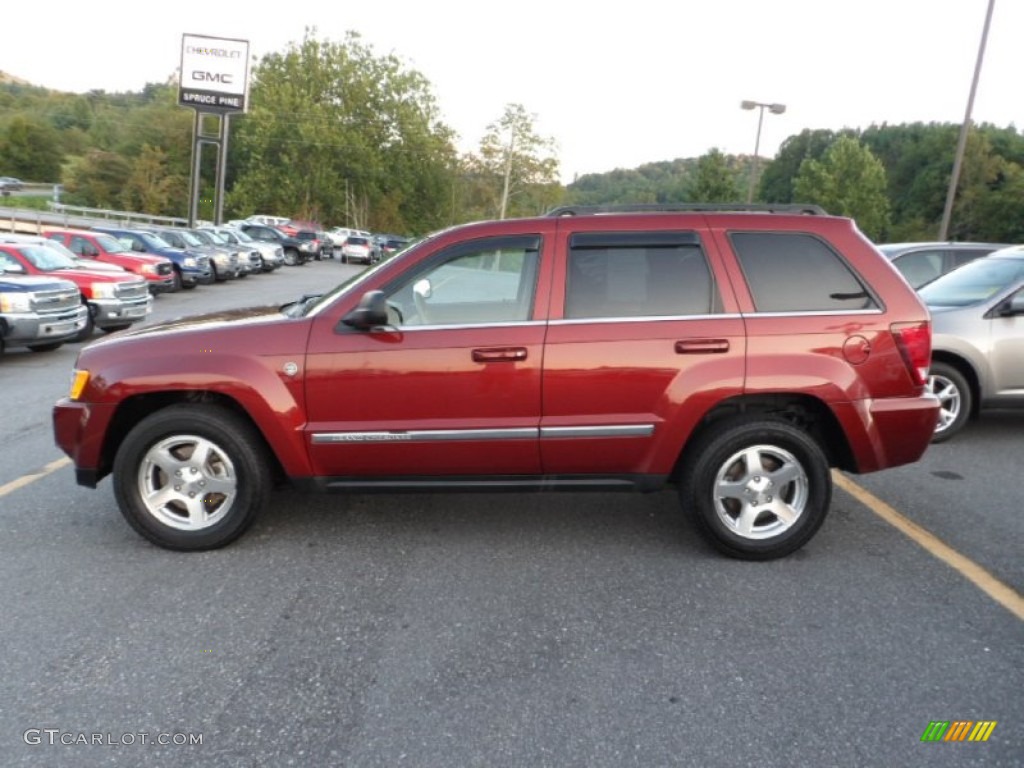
975,293
349,245
63,284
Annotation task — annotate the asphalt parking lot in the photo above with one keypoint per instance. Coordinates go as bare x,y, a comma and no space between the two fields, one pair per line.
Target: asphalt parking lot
502,630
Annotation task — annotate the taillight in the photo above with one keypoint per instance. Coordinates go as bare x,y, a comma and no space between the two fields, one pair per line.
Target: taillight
914,341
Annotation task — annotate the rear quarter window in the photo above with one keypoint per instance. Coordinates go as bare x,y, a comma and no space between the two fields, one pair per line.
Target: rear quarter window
796,272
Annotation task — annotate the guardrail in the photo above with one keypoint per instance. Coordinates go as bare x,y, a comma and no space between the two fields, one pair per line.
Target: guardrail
120,217
32,221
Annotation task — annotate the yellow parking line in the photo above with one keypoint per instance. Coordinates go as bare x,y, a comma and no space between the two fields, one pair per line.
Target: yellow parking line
24,480
1002,593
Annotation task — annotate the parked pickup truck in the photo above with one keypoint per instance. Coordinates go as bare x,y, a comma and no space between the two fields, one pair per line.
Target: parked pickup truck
158,271
190,269
40,313
114,300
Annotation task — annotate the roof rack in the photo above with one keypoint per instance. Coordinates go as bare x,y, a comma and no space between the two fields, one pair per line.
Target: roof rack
589,210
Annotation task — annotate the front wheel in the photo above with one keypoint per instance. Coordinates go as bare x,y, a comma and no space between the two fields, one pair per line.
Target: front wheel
90,326
758,488
954,393
291,257
191,477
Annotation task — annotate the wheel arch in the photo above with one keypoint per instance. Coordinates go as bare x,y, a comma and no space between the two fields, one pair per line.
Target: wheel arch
803,411
967,370
133,410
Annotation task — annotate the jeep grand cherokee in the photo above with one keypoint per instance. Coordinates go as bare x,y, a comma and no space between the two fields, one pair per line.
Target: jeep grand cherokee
735,355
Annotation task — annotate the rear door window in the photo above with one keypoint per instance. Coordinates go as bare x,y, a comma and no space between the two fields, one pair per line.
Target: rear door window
638,274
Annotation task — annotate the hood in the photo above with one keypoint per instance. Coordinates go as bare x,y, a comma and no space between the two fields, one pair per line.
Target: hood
105,275
209,322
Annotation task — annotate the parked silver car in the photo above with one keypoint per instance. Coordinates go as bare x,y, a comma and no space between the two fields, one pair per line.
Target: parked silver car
271,255
978,338
921,263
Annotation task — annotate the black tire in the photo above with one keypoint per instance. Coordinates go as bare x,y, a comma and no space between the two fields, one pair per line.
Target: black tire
776,507
90,326
116,328
291,257
236,464
46,347
955,396
178,283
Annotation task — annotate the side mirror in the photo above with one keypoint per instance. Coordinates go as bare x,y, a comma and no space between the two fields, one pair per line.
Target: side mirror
1010,307
371,312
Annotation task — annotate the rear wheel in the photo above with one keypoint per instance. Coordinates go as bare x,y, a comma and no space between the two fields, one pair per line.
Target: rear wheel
191,477
955,399
758,488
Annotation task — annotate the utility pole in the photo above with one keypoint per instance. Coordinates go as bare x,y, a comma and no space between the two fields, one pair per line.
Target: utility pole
961,145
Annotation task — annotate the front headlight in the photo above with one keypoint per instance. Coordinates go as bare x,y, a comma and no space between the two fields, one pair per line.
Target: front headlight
190,261
104,290
15,302
150,269
78,381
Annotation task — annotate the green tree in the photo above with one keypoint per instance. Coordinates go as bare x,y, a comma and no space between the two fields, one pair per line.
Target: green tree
848,181
715,181
96,179
340,135
516,169
776,182
30,149
149,187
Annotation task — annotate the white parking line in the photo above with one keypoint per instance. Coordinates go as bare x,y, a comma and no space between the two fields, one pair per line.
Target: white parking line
24,480
1002,593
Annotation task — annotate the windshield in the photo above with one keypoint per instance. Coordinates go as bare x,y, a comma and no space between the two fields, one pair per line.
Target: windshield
973,283
47,259
112,244
204,237
239,235
189,238
154,241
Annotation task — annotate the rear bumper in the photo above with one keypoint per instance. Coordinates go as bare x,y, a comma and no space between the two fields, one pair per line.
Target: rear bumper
889,432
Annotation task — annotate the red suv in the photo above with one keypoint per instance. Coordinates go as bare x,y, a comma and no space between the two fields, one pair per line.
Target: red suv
734,355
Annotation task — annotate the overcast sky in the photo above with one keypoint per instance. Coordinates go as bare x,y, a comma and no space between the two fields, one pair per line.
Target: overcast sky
616,85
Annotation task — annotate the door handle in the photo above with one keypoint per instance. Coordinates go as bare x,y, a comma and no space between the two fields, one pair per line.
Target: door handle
499,355
702,346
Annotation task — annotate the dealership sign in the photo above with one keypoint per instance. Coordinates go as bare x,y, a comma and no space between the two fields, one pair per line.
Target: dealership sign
214,73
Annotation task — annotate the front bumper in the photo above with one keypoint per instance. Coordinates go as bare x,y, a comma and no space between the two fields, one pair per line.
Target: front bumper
79,430
31,327
114,312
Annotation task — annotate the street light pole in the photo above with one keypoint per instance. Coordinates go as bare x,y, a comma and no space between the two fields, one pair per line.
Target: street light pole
775,109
